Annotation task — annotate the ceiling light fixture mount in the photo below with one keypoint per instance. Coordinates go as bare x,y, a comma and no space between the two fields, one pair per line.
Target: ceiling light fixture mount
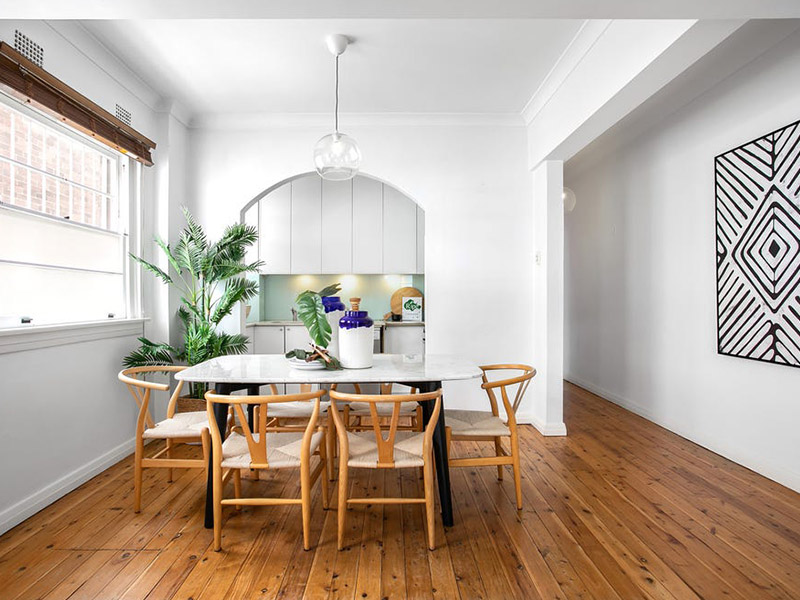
337,156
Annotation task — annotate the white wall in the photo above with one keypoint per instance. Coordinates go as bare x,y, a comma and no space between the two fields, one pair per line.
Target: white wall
640,275
63,415
474,185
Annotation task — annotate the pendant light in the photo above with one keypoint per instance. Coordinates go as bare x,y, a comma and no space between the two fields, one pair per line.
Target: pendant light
336,156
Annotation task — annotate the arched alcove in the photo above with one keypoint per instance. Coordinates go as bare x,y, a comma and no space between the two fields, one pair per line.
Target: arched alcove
364,233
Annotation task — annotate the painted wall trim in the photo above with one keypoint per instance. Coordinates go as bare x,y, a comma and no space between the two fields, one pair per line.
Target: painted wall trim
546,429
789,478
25,508
580,45
20,339
250,121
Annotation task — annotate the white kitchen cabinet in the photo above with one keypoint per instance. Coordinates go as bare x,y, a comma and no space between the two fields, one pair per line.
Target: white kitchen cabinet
420,240
337,226
274,231
297,337
404,339
367,226
306,225
267,340
312,226
399,232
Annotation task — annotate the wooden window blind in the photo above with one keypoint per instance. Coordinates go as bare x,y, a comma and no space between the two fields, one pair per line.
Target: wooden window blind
28,82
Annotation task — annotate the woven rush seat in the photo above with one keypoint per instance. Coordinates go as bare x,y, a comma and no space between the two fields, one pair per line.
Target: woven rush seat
283,449
182,425
286,410
364,449
475,422
384,409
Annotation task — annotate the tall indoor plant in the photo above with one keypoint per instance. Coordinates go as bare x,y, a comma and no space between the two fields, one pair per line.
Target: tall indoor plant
211,278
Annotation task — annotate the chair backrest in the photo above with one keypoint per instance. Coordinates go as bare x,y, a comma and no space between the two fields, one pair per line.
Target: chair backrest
521,379
258,445
385,445
140,390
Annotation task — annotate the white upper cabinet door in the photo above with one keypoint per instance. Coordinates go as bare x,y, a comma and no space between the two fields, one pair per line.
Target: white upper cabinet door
307,225
420,240
399,232
367,225
337,226
274,231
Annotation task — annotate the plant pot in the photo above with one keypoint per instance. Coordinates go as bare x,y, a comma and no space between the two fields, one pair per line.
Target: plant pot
189,404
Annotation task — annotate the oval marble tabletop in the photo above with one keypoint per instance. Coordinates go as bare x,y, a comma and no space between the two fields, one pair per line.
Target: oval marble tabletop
275,368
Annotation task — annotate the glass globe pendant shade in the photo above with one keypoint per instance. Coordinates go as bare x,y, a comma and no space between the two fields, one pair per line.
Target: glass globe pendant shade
337,157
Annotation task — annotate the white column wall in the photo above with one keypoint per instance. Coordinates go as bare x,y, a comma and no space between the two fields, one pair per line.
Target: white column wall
547,388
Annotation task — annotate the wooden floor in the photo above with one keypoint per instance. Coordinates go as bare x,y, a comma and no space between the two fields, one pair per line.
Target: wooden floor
619,509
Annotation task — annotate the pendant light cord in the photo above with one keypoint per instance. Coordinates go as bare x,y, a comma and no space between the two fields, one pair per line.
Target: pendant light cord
336,105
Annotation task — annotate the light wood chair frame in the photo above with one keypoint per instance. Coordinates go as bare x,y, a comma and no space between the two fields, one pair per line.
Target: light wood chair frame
385,447
330,438
259,452
141,391
502,456
355,421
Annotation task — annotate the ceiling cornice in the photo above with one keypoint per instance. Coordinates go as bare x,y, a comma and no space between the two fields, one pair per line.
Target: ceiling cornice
241,121
573,54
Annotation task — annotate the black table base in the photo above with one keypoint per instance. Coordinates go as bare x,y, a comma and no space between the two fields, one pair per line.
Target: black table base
439,445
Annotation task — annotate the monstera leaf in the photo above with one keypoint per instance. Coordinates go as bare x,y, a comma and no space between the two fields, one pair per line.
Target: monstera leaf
312,313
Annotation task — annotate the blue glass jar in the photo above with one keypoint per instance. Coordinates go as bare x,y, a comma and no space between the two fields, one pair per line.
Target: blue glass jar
356,337
334,310
333,304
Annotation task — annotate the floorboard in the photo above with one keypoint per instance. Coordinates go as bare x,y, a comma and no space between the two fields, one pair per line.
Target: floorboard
619,509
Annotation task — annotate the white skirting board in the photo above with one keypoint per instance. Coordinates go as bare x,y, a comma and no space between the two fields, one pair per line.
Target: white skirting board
17,513
546,429
790,479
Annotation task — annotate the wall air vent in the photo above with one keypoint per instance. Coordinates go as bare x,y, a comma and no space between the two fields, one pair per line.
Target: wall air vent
28,48
123,115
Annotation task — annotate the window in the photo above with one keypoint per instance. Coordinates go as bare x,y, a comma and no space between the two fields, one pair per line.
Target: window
64,223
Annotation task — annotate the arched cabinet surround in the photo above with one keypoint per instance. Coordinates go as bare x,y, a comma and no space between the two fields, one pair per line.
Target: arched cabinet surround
308,225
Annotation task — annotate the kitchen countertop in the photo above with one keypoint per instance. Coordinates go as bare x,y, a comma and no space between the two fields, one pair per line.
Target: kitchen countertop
377,323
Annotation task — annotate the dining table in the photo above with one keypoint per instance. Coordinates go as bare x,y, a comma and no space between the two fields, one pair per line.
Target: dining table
228,374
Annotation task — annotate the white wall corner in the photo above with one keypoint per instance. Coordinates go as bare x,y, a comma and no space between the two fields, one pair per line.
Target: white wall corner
546,408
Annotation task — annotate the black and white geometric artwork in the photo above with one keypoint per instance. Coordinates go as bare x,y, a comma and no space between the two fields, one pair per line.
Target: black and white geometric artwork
758,248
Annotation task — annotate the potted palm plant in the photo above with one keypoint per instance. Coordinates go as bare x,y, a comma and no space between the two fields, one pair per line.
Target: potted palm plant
211,278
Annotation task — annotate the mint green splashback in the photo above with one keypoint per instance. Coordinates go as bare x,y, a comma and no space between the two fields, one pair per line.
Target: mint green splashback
277,292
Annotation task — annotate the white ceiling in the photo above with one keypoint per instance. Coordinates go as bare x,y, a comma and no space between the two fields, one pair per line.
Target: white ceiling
394,66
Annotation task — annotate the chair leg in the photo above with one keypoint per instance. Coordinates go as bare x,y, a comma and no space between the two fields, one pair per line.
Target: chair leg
323,456
516,466
169,455
429,515
237,486
305,500
217,485
330,442
342,506
137,474
498,450
448,434
205,439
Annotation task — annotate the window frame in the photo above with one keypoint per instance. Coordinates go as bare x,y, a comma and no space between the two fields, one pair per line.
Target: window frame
129,191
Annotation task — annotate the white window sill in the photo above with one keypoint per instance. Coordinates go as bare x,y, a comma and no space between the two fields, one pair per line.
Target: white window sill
31,337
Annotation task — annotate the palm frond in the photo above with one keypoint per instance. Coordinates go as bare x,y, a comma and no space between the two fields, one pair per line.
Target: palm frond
153,269
150,354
